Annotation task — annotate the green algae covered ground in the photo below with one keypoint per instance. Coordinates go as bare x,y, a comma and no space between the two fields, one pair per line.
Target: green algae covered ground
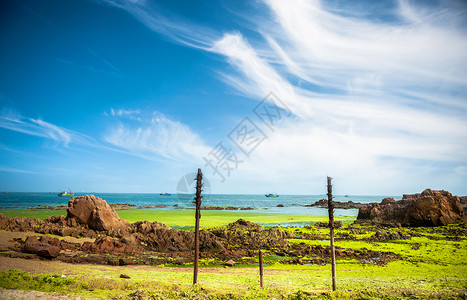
184,219
411,263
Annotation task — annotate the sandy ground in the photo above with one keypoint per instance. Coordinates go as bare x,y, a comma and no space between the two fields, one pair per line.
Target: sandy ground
28,265
18,294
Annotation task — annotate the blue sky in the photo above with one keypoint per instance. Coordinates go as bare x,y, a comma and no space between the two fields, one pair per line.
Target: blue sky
129,96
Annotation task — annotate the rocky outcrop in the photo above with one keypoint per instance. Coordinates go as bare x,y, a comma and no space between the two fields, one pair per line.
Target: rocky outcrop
106,244
95,213
248,235
42,248
429,208
323,203
159,237
337,224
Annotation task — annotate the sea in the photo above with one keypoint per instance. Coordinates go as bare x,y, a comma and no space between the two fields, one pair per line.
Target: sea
286,204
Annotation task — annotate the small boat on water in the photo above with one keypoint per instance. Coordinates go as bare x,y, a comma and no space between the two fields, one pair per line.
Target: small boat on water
165,194
65,194
271,195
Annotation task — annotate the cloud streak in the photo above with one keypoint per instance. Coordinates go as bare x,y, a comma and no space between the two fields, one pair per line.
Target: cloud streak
174,27
36,127
15,170
153,136
12,120
383,94
368,90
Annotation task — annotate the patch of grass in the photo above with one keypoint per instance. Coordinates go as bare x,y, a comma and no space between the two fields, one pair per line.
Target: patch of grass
211,218
33,213
17,279
184,219
397,279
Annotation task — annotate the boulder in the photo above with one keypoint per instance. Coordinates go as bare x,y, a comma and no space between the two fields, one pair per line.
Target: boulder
230,263
388,200
39,247
49,251
429,208
95,213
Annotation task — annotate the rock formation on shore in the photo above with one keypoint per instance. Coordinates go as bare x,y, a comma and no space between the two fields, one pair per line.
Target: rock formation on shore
429,208
91,217
323,203
95,213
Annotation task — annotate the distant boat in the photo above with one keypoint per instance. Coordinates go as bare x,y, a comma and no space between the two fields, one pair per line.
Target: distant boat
165,194
65,194
271,195
346,196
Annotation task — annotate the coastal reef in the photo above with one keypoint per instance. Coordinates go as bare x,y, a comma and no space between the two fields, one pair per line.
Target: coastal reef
429,208
93,233
153,260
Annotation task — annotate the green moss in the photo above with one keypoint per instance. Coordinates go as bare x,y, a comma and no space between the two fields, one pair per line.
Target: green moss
355,281
184,219
34,213
431,266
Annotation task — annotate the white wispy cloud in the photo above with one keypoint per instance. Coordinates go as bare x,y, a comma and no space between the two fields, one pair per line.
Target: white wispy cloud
162,22
386,91
14,121
16,170
153,136
374,97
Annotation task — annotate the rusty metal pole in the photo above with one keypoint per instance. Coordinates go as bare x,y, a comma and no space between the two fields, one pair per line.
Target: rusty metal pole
331,228
198,197
261,280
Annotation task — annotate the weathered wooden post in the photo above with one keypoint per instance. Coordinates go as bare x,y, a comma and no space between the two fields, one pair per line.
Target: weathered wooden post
261,280
198,197
331,228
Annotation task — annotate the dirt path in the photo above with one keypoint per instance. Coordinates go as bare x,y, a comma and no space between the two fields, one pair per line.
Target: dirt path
6,294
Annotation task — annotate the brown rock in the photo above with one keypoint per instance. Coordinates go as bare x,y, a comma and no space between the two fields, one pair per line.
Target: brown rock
95,213
42,248
429,208
32,245
387,200
48,251
230,263
323,203
125,261
248,235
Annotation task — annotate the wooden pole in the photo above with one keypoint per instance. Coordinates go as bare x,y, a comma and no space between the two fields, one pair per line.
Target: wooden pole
261,280
198,197
331,228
